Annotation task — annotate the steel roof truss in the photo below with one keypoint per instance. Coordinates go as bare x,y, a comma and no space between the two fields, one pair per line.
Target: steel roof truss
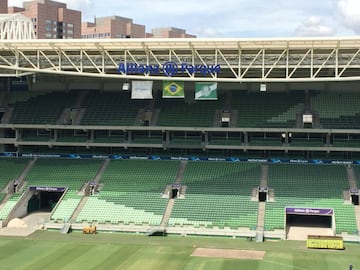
91,61
281,56
323,64
260,52
349,63
299,63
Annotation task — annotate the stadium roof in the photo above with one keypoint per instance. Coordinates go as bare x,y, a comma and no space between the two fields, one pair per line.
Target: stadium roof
175,43
240,60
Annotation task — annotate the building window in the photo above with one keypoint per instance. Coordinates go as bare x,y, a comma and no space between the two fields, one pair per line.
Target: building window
120,36
70,26
48,35
48,25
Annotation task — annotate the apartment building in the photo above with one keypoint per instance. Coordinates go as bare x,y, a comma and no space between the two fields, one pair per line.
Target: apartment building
3,6
170,32
112,27
51,19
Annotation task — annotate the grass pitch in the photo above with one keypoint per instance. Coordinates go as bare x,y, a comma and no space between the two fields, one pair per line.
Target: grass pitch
52,250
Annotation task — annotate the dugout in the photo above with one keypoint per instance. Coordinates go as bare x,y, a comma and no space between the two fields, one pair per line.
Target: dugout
34,199
321,220
44,198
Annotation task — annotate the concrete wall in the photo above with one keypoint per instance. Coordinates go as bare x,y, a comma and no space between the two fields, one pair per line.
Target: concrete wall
20,209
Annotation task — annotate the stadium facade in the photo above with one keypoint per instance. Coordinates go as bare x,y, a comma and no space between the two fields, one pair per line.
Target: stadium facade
179,101
299,71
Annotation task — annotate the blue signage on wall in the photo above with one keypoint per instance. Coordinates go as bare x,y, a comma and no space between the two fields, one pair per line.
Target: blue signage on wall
169,69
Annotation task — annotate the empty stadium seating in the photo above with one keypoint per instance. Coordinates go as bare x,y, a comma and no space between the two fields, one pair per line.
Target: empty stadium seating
124,208
232,211
9,205
66,207
62,173
111,108
253,109
41,108
299,185
218,194
357,175
267,110
131,193
178,113
337,110
10,170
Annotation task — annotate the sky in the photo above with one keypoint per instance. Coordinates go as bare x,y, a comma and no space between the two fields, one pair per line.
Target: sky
232,18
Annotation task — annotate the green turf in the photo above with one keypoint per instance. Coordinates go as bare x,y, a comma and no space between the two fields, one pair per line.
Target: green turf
52,250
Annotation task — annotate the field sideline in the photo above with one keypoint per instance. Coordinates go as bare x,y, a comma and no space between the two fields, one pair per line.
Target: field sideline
52,250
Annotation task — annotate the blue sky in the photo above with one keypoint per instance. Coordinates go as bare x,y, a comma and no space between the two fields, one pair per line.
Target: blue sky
232,18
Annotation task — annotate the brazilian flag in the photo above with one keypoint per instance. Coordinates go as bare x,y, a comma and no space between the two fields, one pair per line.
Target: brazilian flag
173,89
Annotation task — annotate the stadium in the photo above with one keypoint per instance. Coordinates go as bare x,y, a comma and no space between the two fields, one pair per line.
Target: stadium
254,139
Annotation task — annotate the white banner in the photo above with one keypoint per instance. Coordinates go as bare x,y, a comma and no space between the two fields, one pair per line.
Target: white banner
141,90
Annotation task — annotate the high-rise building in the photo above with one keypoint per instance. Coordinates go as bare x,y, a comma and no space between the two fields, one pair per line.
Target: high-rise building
3,6
52,19
170,32
112,27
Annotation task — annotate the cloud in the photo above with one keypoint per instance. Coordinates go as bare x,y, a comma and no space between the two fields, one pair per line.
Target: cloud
350,14
16,3
85,6
82,5
231,18
314,26
206,32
